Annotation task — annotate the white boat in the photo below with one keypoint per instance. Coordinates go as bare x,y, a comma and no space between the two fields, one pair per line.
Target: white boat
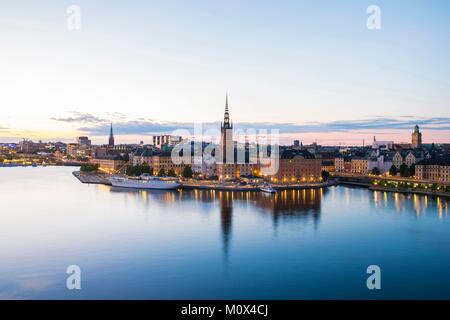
267,189
145,182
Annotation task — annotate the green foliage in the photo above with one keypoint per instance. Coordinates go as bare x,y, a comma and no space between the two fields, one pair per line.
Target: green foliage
161,173
393,170
187,172
89,167
412,170
376,171
139,169
404,171
171,173
325,175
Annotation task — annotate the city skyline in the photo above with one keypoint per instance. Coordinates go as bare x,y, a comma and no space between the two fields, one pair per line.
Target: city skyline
322,76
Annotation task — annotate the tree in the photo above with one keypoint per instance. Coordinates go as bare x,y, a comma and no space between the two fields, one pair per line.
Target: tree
376,171
404,171
161,173
139,169
412,170
171,173
325,175
393,170
89,167
187,172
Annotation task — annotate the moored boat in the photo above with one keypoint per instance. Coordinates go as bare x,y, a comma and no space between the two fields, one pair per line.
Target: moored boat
267,189
147,183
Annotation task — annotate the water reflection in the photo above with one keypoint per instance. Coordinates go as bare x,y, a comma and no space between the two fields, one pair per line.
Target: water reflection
419,204
284,205
226,219
288,205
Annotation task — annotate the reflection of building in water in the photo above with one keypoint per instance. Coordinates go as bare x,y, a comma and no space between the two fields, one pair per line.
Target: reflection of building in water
226,218
290,204
419,204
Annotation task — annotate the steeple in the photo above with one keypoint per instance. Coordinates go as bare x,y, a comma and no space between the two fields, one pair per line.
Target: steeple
226,118
111,137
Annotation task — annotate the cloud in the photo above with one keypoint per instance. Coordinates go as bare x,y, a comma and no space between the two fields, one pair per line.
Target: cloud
80,117
148,126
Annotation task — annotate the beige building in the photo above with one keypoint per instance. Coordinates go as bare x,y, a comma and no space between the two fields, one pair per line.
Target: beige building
297,166
436,170
359,166
110,165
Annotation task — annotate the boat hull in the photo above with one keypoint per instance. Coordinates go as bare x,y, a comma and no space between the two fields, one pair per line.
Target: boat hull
267,190
146,185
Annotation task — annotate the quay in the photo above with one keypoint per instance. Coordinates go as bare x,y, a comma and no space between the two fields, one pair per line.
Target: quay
102,178
92,178
364,182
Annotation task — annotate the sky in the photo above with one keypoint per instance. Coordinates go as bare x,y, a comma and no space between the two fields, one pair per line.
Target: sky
311,69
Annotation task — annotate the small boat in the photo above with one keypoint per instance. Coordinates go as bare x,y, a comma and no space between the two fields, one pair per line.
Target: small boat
34,165
267,189
145,182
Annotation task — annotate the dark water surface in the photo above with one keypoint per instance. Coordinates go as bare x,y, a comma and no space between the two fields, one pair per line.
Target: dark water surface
216,245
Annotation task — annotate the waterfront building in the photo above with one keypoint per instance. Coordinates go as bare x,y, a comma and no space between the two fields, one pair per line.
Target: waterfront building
297,166
406,157
328,165
142,156
163,161
416,138
382,162
339,164
110,164
343,164
436,169
359,165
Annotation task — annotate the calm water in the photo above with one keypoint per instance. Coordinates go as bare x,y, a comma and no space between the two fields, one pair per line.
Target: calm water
216,245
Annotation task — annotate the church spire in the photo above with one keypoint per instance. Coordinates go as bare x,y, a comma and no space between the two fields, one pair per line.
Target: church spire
111,137
226,118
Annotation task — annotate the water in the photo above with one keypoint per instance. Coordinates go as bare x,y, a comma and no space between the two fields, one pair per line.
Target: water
216,245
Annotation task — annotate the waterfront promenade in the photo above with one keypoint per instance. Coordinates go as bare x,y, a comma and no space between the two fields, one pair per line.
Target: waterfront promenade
359,181
102,178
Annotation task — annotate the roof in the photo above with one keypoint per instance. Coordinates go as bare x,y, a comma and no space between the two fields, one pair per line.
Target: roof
436,161
292,153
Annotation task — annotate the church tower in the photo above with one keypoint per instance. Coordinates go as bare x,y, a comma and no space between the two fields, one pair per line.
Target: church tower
111,137
416,140
226,136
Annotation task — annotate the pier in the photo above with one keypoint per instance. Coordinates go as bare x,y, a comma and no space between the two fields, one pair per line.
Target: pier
102,178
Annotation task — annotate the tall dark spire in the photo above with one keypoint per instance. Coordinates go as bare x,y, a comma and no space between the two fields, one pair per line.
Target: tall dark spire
111,137
226,118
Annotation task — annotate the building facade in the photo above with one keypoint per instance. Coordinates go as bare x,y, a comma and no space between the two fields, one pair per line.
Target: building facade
435,170
298,166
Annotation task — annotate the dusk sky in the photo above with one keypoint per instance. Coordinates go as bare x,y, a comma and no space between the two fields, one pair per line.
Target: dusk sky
312,69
